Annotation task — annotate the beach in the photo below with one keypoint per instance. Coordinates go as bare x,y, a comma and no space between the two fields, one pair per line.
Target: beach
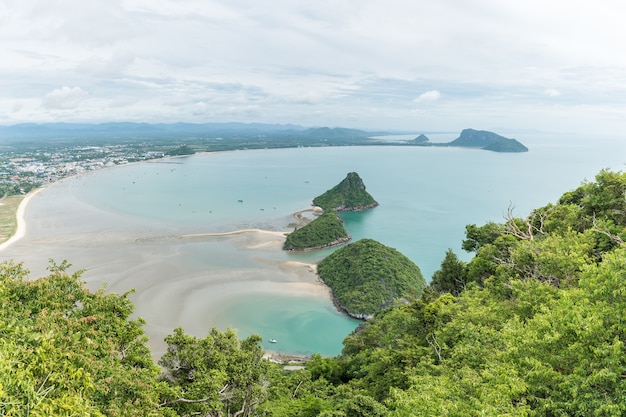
194,280
20,230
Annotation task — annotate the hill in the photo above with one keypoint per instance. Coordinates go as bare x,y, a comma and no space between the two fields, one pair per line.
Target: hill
348,195
367,276
325,231
481,139
489,141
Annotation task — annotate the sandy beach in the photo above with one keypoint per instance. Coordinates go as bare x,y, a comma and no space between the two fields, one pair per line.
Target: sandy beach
20,231
194,280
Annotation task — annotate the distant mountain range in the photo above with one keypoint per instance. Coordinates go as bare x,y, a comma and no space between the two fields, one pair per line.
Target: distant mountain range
286,134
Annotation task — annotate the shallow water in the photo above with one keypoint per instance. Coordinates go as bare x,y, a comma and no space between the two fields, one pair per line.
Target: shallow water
123,225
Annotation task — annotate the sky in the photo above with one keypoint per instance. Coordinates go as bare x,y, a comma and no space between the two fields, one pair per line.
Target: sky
405,65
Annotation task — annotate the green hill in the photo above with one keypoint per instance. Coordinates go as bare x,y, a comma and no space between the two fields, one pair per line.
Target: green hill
366,276
489,141
348,195
325,231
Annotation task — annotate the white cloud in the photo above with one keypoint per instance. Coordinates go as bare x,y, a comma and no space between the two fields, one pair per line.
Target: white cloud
552,92
357,62
428,96
64,98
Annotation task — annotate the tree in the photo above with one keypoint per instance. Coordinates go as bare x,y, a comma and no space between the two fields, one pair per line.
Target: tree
451,277
216,375
67,351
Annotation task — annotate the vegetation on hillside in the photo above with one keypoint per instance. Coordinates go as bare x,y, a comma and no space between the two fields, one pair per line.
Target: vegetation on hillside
533,325
182,150
367,276
324,231
480,139
348,195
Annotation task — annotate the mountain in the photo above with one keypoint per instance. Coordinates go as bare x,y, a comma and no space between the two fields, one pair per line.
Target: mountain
367,276
133,130
489,141
348,195
420,139
481,139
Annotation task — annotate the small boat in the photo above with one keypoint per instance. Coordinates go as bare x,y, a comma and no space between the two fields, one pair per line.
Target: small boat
272,340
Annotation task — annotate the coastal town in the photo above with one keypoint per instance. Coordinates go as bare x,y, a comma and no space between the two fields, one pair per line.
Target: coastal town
24,169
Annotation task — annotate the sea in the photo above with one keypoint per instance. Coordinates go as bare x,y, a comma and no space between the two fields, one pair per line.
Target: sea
128,227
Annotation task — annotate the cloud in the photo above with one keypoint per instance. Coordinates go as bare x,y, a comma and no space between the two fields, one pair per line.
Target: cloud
552,92
322,63
428,96
65,98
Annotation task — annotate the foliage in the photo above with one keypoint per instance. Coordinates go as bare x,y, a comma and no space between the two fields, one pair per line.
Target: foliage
533,325
214,375
348,195
366,276
67,351
452,277
326,230
181,151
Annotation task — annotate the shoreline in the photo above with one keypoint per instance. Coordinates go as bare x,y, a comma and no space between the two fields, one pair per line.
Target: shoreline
292,277
20,230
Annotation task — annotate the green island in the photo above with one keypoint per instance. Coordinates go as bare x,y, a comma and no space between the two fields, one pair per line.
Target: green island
324,231
366,276
479,139
532,325
349,195
328,230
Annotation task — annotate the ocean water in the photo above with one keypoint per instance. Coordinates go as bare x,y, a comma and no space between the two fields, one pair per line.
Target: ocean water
124,225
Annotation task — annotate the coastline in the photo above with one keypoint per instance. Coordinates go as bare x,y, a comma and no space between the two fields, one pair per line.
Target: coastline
20,230
170,287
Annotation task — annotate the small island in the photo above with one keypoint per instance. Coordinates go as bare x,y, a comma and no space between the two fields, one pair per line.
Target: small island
328,230
367,276
325,231
348,195
480,139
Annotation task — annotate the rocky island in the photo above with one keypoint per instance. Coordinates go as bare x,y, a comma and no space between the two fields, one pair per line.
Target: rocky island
348,195
328,230
480,139
325,231
367,276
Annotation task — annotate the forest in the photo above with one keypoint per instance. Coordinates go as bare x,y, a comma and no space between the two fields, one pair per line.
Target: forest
533,325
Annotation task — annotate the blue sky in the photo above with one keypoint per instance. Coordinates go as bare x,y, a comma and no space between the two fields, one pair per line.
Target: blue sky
554,66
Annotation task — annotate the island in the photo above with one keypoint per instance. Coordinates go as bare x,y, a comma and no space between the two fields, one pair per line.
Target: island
324,231
367,276
479,139
349,195
327,229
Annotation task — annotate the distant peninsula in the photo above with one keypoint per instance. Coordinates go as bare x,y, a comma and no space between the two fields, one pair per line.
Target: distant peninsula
367,276
348,195
480,139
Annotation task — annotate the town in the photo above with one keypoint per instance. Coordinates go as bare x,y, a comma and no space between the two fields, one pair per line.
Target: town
23,169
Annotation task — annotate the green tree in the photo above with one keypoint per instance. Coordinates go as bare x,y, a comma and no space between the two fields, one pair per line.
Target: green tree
216,375
452,276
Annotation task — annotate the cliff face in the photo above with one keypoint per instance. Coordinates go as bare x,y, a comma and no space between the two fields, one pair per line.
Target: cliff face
348,195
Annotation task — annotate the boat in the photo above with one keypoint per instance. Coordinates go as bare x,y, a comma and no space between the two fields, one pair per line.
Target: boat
272,340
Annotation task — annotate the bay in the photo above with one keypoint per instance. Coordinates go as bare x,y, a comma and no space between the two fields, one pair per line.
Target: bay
127,225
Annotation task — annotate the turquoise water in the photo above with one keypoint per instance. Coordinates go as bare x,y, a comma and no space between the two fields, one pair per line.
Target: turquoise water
426,196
